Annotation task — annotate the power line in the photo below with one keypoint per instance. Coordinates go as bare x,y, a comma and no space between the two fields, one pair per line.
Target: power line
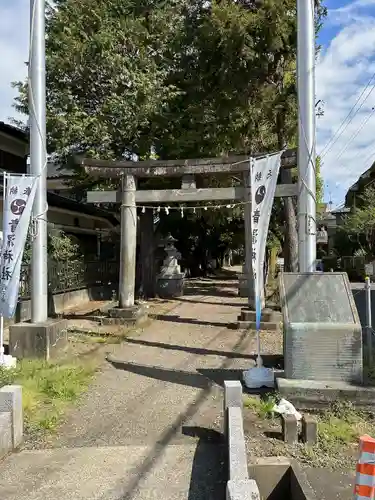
348,119
364,122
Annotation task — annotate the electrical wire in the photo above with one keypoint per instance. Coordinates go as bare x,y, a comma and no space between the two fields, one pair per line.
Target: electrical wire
360,128
348,119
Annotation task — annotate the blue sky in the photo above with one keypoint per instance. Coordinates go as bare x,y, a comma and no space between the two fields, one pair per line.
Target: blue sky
343,70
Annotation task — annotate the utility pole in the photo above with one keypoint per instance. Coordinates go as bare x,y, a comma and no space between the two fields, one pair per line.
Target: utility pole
38,159
306,135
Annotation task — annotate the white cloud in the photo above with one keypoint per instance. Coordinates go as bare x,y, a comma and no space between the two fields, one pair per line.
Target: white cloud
344,68
14,42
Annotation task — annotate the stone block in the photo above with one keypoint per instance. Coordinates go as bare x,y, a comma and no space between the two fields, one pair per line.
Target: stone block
129,316
309,429
233,394
38,340
243,489
169,287
232,398
11,402
5,433
322,331
289,426
268,316
251,325
320,394
236,445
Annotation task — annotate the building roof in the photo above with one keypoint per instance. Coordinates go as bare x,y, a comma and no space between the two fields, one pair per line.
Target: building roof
55,171
366,178
55,200
15,132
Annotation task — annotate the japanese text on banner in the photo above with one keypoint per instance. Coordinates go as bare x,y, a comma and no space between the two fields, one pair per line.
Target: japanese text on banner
264,174
19,193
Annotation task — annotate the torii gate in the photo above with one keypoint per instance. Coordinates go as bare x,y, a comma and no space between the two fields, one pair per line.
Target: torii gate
128,196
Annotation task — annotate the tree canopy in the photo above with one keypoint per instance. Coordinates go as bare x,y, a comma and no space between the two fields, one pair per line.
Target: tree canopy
175,78
359,225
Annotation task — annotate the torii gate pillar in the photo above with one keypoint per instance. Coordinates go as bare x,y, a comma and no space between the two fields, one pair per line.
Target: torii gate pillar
128,243
127,312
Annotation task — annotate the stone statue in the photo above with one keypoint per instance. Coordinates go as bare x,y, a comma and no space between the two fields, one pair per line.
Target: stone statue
170,280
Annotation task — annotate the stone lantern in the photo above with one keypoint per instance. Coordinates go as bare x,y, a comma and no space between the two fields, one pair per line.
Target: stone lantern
170,280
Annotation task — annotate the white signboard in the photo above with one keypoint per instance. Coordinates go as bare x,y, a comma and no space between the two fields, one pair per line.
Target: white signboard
264,173
322,236
19,194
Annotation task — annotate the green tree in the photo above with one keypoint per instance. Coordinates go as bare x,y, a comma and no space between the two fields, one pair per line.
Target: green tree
359,225
181,78
107,64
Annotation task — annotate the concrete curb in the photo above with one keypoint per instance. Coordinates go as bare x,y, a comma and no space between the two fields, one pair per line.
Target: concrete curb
11,418
239,486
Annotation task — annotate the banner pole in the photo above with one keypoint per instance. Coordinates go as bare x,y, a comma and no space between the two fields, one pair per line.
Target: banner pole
306,136
38,158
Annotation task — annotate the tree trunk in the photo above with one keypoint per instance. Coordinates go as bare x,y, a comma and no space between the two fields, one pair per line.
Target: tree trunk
147,258
290,249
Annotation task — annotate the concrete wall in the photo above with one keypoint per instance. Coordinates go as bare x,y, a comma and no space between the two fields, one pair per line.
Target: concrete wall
11,418
61,302
271,477
239,486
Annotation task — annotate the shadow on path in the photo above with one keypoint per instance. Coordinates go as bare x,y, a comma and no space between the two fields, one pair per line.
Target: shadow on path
211,303
193,350
191,321
173,376
167,436
203,378
208,473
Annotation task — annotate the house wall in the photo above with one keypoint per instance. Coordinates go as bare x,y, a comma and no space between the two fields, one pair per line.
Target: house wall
15,147
69,218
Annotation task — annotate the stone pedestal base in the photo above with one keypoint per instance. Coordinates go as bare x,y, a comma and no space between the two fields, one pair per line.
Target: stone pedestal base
38,340
243,289
129,316
271,320
170,286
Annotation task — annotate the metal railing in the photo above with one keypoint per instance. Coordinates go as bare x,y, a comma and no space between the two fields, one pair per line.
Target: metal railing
72,275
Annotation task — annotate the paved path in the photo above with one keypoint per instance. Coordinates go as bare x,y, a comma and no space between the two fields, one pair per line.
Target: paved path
144,430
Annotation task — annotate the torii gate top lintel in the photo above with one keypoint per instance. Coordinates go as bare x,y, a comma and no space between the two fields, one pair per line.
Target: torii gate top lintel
176,168
128,196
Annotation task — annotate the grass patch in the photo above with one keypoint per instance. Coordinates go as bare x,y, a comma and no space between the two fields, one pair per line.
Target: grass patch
93,337
343,425
48,389
339,430
263,406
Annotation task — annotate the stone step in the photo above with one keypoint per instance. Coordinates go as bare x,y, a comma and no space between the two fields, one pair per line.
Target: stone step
177,472
267,315
251,325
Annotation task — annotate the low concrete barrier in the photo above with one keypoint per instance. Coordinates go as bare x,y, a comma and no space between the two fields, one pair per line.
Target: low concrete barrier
273,477
239,486
60,302
11,418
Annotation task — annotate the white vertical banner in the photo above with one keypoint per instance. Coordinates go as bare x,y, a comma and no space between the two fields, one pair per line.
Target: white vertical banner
19,194
264,174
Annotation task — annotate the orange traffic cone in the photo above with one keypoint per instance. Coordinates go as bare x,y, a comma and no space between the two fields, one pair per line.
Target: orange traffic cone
365,479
